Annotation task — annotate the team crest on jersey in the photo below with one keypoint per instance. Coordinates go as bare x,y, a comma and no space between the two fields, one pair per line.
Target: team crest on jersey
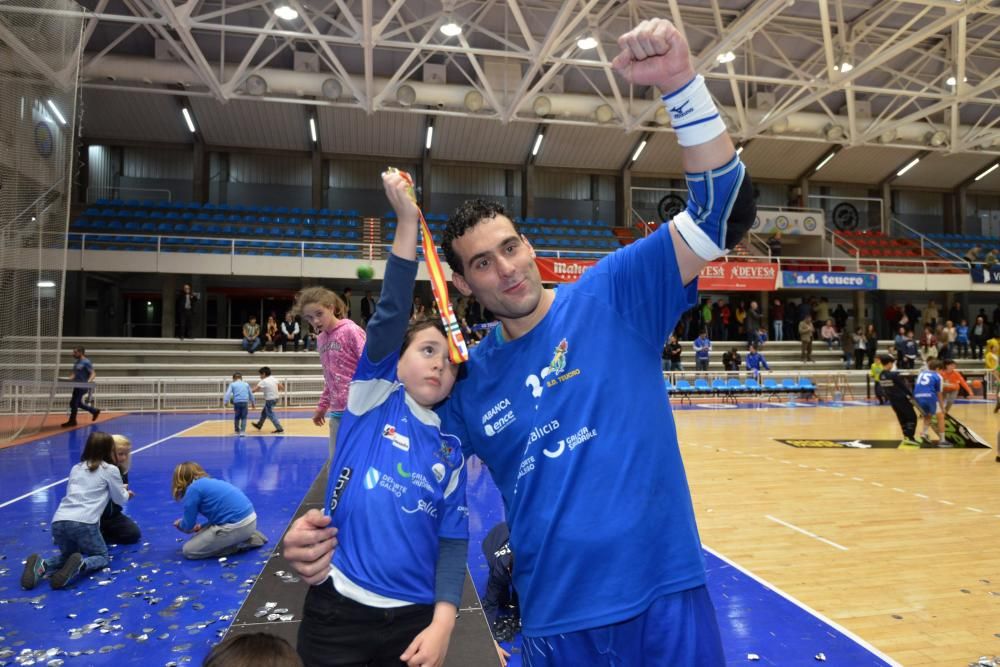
398,440
445,451
554,371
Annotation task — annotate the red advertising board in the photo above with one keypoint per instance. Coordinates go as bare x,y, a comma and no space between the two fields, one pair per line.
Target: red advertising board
562,270
738,277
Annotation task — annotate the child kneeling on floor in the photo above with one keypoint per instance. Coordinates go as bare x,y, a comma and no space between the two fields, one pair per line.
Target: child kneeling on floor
231,524
76,524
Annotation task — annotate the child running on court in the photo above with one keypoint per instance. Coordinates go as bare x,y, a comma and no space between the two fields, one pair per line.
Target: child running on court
953,380
397,488
898,394
76,523
927,392
269,387
116,526
231,523
339,342
238,393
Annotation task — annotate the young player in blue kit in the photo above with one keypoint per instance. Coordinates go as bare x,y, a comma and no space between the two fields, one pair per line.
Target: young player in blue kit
927,391
564,402
396,492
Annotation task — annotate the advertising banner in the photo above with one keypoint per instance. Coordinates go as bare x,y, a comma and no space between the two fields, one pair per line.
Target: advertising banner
562,270
738,277
829,280
990,276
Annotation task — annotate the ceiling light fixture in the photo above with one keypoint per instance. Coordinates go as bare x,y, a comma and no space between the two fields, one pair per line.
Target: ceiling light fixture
726,57
286,13
187,119
451,29
910,165
312,129
430,137
538,144
638,151
49,283
987,172
825,160
587,43
55,110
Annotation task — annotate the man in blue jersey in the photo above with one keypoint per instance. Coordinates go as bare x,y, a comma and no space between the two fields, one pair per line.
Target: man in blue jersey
927,391
564,402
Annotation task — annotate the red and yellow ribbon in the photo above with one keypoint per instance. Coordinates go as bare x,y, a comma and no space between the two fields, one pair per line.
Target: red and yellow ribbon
457,349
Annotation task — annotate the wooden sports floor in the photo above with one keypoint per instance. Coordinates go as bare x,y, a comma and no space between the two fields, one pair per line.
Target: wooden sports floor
901,547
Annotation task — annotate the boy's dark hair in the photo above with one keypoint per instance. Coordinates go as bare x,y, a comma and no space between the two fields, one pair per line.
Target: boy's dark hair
264,370
100,448
886,359
80,350
467,216
950,362
419,325
252,317
253,650
237,376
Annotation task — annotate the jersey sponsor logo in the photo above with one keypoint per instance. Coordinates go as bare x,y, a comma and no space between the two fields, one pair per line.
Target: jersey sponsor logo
421,482
527,465
422,506
338,490
389,483
681,110
463,510
552,374
504,550
371,478
402,473
438,470
540,432
572,442
496,409
497,418
398,440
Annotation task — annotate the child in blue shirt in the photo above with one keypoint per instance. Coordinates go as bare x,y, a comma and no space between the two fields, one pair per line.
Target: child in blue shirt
239,394
396,492
962,339
756,361
927,392
702,349
230,521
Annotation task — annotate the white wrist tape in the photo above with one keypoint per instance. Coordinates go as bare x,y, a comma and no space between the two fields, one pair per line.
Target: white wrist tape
693,114
696,238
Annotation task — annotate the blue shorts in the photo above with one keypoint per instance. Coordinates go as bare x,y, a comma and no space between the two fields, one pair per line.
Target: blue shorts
927,405
677,629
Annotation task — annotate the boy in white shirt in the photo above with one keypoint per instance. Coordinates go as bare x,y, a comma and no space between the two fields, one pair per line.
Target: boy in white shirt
270,387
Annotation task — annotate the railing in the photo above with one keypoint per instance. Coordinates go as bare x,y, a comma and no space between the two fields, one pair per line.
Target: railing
113,192
833,236
940,249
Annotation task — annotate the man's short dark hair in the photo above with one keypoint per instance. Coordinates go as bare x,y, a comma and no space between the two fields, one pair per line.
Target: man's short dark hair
466,216
80,350
264,370
886,359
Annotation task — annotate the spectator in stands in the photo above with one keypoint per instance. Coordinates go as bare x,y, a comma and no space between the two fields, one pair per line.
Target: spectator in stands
823,310
755,320
474,311
760,340
956,314
251,335
910,352
928,344
860,347
83,371
847,347
116,526
291,333
840,317
731,360
875,372
829,334
778,320
756,362
186,302
912,315
726,316
893,313
949,340
706,316
346,296
978,336
368,308
961,335
418,311
899,344
739,319
272,333
871,344
806,338
792,318
975,252
715,331
675,354
774,244
931,315
702,349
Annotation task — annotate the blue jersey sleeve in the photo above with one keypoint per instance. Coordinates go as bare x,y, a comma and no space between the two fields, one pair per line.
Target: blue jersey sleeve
392,313
452,423
192,499
642,282
455,511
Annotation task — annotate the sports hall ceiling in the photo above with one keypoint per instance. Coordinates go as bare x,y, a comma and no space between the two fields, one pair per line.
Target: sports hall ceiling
923,80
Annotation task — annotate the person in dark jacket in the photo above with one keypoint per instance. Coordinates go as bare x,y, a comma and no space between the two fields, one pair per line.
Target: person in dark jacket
501,598
898,393
187,301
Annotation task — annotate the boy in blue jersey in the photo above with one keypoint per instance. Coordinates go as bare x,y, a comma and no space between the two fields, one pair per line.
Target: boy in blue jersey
756,361
702,350
238,393
580,442
396,492
927,391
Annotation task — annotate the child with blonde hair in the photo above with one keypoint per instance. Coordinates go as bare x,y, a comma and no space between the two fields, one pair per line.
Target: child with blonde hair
231,523
116,526
75,525
339,342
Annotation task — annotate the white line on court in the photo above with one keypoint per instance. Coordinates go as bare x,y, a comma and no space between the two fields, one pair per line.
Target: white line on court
946,502
57,483
920,495
974,509
806,532
839,628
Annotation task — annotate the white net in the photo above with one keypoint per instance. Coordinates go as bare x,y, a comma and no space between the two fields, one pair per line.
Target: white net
39,62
